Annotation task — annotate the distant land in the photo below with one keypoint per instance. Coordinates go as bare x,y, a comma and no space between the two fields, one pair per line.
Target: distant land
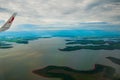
5,45
61,33
110,44
98,42
23,37
100,72
101,47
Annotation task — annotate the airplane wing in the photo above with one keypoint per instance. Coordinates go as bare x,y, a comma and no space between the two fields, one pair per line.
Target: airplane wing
7,25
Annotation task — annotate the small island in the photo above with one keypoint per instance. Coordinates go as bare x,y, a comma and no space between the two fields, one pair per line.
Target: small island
5,45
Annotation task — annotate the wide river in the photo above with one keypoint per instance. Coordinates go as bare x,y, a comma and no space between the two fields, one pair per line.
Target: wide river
17,63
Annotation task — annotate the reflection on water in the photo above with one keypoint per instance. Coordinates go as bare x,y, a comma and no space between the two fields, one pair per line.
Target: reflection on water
17,63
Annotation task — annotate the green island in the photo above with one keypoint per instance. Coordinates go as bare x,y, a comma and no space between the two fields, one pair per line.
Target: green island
87,42
5,45
92,45
115,60
94,42
17,40
100,47
100,72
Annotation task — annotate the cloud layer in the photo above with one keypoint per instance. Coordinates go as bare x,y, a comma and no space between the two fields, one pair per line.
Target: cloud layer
42,12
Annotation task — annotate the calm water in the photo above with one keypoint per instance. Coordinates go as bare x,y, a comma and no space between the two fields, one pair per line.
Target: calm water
18,63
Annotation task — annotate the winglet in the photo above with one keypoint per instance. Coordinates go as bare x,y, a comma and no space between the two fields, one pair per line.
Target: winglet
7,25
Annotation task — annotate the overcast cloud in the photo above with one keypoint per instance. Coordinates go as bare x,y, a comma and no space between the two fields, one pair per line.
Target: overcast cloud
66,12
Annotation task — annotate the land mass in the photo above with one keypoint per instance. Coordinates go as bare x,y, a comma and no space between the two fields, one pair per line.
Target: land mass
100,72
87,42
91,44
5,45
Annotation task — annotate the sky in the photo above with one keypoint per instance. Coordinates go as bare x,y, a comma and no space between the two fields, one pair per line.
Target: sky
62,14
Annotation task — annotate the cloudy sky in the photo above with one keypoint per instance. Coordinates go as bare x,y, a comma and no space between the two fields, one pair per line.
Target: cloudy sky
56,14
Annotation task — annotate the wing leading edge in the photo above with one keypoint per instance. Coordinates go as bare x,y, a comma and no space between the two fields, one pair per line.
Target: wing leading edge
7,25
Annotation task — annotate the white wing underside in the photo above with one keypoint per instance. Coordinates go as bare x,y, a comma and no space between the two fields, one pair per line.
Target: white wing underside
7,25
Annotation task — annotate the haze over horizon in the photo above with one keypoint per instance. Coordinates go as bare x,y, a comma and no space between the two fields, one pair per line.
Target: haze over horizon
63,14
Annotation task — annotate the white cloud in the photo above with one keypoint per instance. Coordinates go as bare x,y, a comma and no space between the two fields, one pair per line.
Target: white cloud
42,12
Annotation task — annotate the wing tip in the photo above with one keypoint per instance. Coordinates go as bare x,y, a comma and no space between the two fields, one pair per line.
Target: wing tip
15,13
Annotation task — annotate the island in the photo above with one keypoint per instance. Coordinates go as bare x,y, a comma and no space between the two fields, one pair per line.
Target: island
100,72
86,42
91,45
5,45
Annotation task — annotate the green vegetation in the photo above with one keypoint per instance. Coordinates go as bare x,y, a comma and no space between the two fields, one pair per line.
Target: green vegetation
5,45
100,72
92,45
87,42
